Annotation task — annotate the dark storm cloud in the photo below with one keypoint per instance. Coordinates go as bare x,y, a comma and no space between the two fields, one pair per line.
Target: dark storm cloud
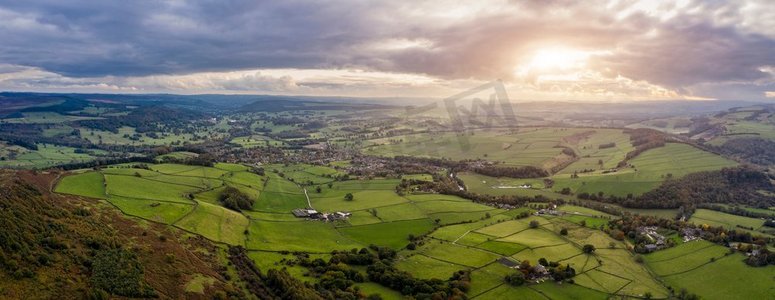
95,38
702,42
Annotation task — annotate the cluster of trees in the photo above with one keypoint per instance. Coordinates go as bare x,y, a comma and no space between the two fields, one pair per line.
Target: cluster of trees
396,166
20,141
526,272
703,124
104,161
148,118
232,198
609,209
607,145
290,134
202,159
739,185
275,285
336,277
643,139
387,275
406,184
286,121
763,258
29,135
753,150
512,172
117,271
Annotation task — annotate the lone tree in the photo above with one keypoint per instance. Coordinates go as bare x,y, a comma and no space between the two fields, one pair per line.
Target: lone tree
588,248
349,197
534,224
318,189
564,231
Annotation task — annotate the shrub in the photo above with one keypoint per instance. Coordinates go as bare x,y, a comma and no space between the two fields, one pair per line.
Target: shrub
234,199
534,224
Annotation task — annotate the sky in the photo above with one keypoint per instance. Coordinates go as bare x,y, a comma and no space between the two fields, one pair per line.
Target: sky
596,50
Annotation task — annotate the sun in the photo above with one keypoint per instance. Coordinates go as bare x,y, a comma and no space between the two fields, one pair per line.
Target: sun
551,59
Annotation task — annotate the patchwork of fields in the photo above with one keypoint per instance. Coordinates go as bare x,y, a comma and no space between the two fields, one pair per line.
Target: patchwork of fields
462,235
187,197
476,246
527,147
46,156
649,170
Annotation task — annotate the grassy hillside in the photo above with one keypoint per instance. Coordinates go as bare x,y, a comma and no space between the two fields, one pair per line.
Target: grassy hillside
48,239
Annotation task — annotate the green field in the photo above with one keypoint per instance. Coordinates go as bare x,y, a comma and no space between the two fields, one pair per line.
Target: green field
426,267
685,257
689,266
89,184
392,234
158,211
216,223
715,218
316,237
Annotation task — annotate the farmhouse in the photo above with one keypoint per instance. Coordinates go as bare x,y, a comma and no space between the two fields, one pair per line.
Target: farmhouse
549,211
315,215
653,241
691,234
540,270
305,213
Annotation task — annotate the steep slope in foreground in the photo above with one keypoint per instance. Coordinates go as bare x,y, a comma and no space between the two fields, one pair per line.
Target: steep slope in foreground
55,246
